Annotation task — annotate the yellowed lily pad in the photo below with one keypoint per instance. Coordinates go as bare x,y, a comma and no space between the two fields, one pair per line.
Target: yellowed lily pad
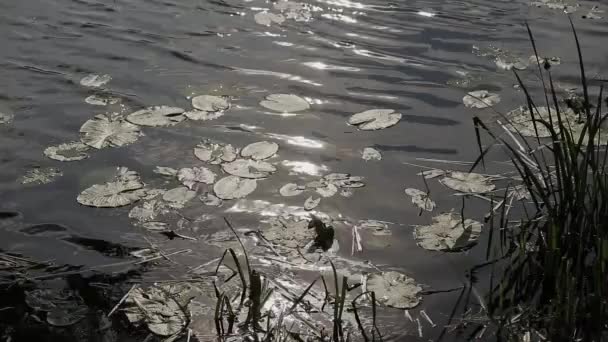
157,116
468,182
420,199
449,232
102,131
125,188
72,151
394,289
375,119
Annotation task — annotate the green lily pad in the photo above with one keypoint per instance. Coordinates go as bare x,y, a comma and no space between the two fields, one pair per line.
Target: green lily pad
95,81
311,203
394,289
215,153
260,150
285,103
233,187
97,100
375,119
480,99
39,176
291,189
102,131
267,18
192,176
210,103
449,233
178,197
420,199
246,168
125,188
72,151
158,309
156,116
468,182
371,154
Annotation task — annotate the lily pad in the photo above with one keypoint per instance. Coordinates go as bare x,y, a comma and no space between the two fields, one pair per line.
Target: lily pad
297,11
210,199
246,168
432,173
394,289
233,187
102,131
260,150
63,307
157,116
97,100
125,188
95,81
201,115
158,309
5,118
447,233
165,171
375,119
285,103
378,228
468,182
147,211
288,232
291,189
480,99
543,60
371,154
506,63
215,153
178,197
66,152
267,18
420,199
210,103
191,176
521,121
311,203
328,190
41,176
67,315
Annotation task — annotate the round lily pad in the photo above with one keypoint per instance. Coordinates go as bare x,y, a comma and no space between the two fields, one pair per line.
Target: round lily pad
508,63
267,18
420,199
39,176
66,152
147,211
67,315
191,176
157,116
233,187
311,203
371,154
394,289
520,121
246,168
291,189
285,103
124,189
210,103
468,182
260,150
210,199
97,100
165,171
5,118
480,99
157,309
95,81
201,115
215,153
327,191
447,233
375,119
378,228
101,132
178,197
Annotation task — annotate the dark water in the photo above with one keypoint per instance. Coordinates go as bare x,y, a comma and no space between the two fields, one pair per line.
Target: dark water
351,56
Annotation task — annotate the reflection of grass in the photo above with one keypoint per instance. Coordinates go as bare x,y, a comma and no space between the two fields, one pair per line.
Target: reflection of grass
255,292
553,262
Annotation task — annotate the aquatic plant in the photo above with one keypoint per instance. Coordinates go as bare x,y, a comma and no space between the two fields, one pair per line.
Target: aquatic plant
549,264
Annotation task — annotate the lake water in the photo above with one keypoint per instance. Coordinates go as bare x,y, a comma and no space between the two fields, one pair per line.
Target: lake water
342,56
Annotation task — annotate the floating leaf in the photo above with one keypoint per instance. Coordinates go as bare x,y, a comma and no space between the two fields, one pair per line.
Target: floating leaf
67,315
347,193
5,118
507,63
543,60
288,232
285,103
447,233
66,152
480,99
433,173
41,176
267,18
311,203
377,228
260,150
95,81
420,199
233,187
147,211
97,100
349,182
297,11
191,176
327,191
371,154
521,121
468,182
201,115
215,153
101,132
246,168
125,188
375,119
210,103
165,171
63,307
156,226
394,289
158,309
178,197
210,199
157,116
291,189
